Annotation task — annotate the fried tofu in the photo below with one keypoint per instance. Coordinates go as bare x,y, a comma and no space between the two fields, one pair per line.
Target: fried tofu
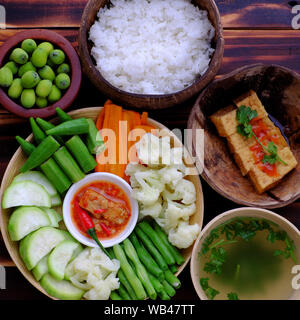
225,121
249,159
287,156
263,181
237,142
244,160
250,99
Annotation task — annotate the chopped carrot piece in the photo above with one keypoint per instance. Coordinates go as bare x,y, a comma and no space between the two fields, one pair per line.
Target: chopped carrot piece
144,118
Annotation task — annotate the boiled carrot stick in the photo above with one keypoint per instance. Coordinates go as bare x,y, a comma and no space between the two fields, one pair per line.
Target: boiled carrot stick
100,119
144,118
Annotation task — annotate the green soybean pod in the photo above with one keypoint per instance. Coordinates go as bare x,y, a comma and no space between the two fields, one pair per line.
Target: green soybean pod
28,98
39,57
47,73
12,66
54,95
63,68
43,88
47,46
6,77
28,66
41,102
28,45
19,56
16,88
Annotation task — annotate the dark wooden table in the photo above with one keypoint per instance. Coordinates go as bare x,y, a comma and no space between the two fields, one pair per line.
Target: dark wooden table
255,31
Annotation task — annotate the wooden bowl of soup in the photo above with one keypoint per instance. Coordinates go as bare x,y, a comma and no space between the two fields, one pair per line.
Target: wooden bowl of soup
246,254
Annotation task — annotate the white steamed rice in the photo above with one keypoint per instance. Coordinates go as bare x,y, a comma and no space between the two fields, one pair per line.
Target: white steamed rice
152,46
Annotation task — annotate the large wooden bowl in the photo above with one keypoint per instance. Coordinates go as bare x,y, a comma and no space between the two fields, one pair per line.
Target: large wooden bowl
18,160
279,90
71,57
283,224
148,101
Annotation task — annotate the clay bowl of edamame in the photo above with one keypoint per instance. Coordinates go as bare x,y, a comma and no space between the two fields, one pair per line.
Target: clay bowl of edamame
39,71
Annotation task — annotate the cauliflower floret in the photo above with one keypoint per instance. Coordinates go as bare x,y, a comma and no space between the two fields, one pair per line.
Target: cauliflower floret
152,210
173,213
148,149
184,235
184,191
150,187
171,175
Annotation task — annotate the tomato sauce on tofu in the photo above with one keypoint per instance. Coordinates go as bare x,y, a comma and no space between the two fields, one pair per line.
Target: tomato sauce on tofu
108,206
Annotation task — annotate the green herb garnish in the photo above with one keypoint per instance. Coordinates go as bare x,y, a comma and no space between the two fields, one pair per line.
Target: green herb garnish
209,291
244,115
232,296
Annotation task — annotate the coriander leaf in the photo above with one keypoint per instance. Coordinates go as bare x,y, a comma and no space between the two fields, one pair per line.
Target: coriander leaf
204,283
211,293
232,296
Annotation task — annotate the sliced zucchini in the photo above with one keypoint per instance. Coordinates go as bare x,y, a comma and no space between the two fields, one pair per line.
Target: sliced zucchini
54,216
26,193
41,268
60,257
39,178
39,243
61,289
25,220
55,200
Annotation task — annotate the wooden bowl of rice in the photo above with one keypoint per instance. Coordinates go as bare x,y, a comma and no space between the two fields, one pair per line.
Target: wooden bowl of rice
127,69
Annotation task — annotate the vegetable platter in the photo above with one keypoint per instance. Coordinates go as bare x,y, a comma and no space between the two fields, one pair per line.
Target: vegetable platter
13,170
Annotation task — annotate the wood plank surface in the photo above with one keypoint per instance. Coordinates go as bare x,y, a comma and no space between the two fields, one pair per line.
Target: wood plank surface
66,14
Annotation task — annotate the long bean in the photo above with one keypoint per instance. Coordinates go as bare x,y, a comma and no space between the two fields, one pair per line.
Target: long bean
129,273
140,269
159,288
172,279
162,248
151,248
115,296
169,289
164,238
146,258
123,292
123,278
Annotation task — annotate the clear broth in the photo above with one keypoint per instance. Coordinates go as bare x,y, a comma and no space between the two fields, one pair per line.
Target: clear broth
252,271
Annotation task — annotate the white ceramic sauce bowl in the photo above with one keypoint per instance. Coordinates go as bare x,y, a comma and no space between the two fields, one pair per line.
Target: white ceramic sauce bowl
94,177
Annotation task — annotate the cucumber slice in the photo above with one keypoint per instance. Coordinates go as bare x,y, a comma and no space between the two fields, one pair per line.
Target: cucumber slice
39,178
25,193
25,220
60,257
61,289
41,268
39,243
54,216
55,200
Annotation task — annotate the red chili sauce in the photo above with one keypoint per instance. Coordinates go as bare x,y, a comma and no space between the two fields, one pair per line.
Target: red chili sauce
264,135
107,204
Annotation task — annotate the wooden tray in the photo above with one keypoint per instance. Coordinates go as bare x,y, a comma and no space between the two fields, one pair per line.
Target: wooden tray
279,90
18,160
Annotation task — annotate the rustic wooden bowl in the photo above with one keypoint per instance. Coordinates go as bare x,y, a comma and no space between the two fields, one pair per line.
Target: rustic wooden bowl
283,224
279,90
149,101
71,56
18,160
